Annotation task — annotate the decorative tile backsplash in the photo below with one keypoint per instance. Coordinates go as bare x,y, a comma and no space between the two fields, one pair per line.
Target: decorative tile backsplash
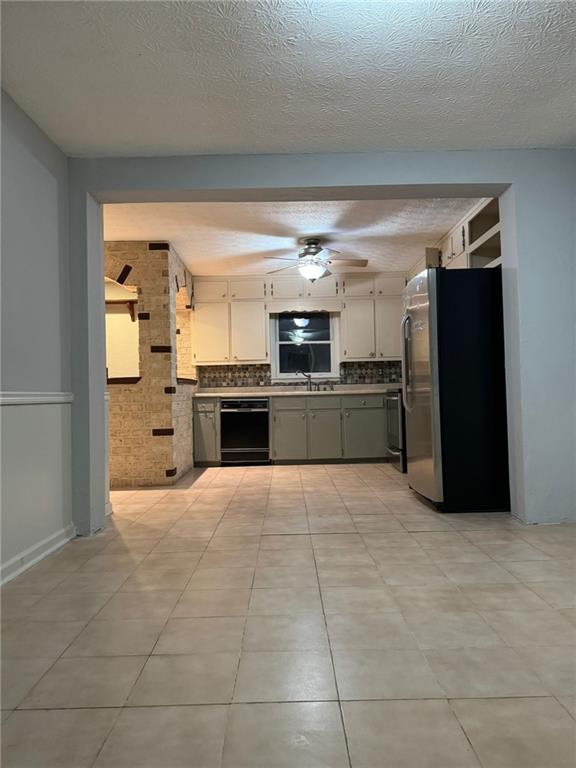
233,375
384,372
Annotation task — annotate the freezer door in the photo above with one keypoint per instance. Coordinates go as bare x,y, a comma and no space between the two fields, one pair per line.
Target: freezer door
420,386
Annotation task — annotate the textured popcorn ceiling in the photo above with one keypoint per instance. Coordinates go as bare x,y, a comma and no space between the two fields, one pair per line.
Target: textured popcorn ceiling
240,238
256,76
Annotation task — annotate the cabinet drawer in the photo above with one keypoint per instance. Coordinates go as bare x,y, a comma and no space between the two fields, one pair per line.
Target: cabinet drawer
204,405
363,401
323,402
289,403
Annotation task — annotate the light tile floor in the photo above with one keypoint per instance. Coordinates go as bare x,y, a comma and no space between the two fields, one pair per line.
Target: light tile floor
294,617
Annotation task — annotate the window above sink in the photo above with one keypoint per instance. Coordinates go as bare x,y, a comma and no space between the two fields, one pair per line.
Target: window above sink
304,342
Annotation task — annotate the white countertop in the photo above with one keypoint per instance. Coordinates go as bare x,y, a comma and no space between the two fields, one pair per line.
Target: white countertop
282,391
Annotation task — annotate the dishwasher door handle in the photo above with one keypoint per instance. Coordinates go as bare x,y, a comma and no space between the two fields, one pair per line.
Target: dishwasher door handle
244,410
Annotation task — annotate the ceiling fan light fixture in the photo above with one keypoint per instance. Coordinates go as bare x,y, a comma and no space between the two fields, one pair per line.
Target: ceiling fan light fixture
312,271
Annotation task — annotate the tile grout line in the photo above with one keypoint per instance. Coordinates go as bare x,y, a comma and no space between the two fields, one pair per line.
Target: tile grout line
344,732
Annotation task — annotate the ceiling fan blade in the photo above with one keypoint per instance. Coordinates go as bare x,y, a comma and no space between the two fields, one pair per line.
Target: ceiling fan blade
282,258
346,262
282,269
325,253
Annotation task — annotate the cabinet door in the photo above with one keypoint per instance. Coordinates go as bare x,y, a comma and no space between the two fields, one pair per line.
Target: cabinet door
458,262
324,287
359,339
205,437
364,433
289,435
388,286
247,289
286,288
357,286
446,249
388,312
324,434
211,332
248,330
211,291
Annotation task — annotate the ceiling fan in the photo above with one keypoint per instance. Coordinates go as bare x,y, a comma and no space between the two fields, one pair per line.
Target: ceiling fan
314,258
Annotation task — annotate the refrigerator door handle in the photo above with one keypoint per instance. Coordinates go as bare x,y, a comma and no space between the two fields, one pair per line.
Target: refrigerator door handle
405,362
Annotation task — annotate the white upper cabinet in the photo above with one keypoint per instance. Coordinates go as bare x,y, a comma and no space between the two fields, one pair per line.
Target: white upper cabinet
357,286
462,261
211,290
388,312
446,249
358,330
248,331
324,287
388,286
247,289
286,288
211,332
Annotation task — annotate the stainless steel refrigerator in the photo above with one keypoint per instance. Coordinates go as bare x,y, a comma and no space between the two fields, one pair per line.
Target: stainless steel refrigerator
453,389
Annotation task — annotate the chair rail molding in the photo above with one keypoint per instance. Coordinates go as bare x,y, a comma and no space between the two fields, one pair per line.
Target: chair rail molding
36,398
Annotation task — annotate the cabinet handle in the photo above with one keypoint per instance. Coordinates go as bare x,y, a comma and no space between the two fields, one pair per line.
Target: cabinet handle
347,414
223,295
313,415
233,295
371,292
363,402
344,352
303,415
235,357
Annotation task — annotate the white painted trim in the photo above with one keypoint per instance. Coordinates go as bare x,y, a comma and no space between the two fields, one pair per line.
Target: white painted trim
335,356
29,557
36,398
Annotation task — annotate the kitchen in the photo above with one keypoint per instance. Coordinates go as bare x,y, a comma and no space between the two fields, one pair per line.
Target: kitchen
286,347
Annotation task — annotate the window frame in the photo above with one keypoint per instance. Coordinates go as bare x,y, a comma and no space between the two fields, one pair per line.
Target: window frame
334,342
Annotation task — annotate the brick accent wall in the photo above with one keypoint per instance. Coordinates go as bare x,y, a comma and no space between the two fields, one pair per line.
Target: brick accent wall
151,420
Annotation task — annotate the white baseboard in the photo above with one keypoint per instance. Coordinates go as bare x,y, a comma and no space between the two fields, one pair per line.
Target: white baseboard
109,509
29,557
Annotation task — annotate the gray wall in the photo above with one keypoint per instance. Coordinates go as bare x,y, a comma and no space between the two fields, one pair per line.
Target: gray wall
35,372
35,349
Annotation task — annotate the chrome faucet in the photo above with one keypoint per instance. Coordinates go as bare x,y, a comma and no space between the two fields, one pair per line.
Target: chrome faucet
308,376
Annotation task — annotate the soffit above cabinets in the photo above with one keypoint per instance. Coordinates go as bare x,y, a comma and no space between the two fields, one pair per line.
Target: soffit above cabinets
241,238
220,77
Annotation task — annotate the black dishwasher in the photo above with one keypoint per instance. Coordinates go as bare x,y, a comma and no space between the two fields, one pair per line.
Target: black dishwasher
245,435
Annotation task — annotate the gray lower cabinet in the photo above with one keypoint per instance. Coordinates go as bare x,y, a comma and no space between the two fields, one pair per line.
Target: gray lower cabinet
364,433
324,434
206,447
289,433
328,427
